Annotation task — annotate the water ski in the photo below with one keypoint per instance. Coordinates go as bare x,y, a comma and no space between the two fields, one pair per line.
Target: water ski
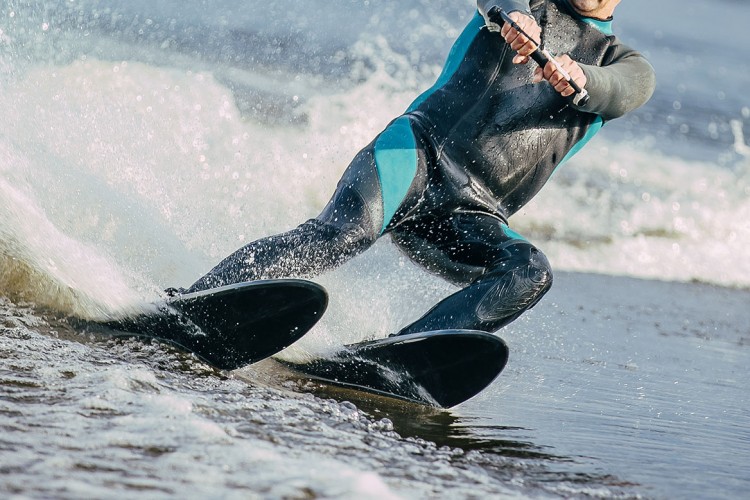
441,368
234,325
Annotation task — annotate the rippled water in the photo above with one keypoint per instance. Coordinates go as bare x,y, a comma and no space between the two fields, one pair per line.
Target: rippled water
624,397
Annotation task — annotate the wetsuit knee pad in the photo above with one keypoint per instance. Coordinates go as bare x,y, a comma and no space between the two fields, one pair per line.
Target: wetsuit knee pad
514,284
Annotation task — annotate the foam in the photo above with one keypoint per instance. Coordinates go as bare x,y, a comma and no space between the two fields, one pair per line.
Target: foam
123,178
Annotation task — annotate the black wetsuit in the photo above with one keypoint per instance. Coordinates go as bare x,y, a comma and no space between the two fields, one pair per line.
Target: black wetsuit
443,178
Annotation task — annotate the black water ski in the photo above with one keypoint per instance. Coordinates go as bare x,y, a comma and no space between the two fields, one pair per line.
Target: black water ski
235,325
441,368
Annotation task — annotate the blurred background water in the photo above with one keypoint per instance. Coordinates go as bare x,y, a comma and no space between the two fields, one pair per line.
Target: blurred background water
144,141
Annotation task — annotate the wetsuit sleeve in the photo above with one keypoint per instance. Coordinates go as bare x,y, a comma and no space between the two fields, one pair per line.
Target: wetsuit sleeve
623,83
509,6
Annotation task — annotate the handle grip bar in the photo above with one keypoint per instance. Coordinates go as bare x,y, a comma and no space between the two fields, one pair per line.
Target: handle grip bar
542,56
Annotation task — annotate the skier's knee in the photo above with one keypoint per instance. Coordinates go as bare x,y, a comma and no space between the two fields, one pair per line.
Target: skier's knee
520,280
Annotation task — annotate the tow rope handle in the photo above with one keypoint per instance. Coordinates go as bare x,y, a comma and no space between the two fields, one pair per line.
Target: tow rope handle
541,56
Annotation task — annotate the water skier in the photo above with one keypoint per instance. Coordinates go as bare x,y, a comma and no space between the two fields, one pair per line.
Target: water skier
444,177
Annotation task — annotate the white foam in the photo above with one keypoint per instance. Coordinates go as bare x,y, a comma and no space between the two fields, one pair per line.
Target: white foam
617,209
41,264
122,178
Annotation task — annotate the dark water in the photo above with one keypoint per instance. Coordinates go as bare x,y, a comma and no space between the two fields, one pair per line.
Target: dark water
615,388
656,369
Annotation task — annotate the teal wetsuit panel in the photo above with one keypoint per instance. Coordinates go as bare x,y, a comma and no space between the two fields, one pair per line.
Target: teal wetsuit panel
395,148
590,133
603,26
396,161
455,56
512,234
